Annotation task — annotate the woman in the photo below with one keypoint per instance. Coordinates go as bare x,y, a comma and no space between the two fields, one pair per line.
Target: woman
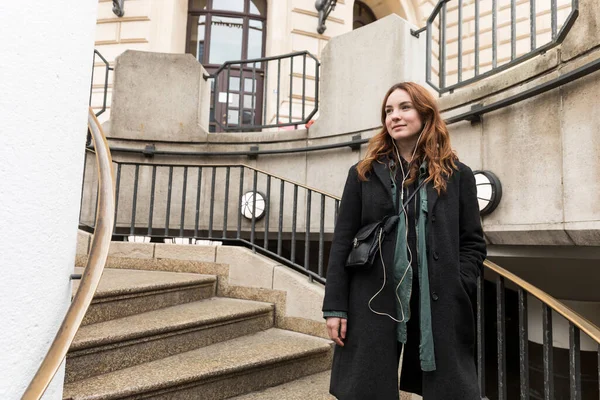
420,292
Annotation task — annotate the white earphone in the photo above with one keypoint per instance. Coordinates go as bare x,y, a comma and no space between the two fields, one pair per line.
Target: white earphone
410,255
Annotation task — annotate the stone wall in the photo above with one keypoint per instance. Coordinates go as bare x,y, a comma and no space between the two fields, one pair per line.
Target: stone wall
543,151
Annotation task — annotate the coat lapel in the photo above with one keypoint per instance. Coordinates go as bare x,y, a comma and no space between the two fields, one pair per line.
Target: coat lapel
383,174
432,197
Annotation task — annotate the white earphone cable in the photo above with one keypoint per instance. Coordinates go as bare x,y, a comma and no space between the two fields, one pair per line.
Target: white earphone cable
410,258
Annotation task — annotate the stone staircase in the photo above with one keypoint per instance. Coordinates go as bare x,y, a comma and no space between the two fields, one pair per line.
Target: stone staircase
165,335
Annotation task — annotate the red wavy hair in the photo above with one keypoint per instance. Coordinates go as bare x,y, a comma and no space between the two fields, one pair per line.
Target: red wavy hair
434,145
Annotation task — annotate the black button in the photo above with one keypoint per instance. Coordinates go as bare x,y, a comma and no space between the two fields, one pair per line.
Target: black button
436,256
434,296
433,218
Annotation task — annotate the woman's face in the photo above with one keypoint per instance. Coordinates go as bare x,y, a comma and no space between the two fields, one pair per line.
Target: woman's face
402,120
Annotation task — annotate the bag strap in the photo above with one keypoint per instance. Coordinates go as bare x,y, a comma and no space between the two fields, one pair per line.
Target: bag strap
411,196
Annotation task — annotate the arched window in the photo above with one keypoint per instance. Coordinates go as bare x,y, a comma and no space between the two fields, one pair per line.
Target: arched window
229,30
363,15
226,30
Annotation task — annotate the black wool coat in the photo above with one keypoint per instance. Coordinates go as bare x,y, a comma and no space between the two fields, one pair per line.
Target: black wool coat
366,368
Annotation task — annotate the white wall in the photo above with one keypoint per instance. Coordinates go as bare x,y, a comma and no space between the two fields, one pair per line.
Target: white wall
46,52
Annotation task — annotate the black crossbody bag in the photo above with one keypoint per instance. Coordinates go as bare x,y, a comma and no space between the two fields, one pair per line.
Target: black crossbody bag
367,240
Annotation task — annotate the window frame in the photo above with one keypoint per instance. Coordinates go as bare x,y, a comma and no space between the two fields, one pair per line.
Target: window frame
209,13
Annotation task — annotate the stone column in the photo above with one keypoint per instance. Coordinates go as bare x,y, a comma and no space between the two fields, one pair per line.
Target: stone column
47,50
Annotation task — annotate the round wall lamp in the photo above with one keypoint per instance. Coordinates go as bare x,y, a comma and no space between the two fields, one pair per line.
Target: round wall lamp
248,201
489,191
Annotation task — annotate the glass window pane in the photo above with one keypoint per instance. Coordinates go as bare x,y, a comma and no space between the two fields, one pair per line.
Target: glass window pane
229,5
225,39
199,5
233,117
234,83
234,100
196,46
258,7
248,103
255,40
246,117
248,85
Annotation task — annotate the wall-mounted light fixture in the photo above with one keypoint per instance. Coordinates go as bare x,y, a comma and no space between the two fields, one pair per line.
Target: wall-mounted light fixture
489,191
248,203
324,7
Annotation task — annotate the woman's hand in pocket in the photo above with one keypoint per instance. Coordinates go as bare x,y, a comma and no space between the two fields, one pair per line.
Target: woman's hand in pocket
336,328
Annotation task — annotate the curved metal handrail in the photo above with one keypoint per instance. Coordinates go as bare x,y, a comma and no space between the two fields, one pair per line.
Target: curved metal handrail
583,324
93,271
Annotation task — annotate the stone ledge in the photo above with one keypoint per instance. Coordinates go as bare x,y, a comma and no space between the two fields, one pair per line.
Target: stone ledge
131,250
184,252
301,294
583,233
247,268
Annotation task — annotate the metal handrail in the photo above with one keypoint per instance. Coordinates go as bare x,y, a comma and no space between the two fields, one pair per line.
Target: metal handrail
257,69
92,273
305,205
579,321
577,324
107,69
439,11
241,165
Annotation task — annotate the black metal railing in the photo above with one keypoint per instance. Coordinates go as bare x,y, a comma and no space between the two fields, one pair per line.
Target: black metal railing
293,224
482,60
241,92
107,69
509,341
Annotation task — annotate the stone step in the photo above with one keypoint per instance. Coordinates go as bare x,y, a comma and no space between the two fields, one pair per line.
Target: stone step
121,343
242,365
124,292
313,387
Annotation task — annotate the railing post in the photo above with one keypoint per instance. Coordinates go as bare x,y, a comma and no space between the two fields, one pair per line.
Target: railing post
134,200
117,189
267,213
307,234
198,191
169,191
548,350
184,190
481,334
211,214
253,229
294,220
523,345
501,338
279,231
226,202
574,362
151,208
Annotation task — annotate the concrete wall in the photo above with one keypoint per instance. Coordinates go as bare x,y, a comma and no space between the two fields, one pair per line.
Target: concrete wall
155,102
356,75
549,178
43,114
544,150
160,26
159,96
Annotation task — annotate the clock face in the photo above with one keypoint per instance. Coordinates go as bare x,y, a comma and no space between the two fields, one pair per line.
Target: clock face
253,201
489,191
